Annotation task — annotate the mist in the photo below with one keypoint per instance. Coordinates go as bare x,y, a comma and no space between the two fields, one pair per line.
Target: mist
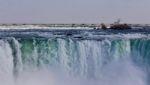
116,73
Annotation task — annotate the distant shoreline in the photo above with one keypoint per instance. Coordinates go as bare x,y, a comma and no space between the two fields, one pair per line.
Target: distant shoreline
70,25
54,25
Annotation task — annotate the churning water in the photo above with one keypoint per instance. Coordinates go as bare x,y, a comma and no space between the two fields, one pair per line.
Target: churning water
74,57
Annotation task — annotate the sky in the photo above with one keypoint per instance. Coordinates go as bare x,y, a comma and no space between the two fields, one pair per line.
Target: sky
74,11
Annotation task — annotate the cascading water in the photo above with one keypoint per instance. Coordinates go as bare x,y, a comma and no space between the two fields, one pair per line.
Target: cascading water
74,61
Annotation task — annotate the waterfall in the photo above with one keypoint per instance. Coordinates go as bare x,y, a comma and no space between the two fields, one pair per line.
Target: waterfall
6,63
68,61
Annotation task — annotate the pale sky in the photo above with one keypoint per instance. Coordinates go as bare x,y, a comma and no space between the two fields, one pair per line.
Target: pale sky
74,11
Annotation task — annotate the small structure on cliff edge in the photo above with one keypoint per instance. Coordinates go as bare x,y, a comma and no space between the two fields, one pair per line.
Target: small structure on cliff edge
116,26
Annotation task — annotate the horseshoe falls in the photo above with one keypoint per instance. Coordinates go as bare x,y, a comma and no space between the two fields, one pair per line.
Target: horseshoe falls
74,57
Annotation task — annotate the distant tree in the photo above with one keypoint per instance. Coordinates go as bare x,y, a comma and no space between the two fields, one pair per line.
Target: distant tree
103,26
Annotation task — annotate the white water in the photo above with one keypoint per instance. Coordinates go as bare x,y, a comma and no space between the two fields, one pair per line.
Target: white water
40,27
91,63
